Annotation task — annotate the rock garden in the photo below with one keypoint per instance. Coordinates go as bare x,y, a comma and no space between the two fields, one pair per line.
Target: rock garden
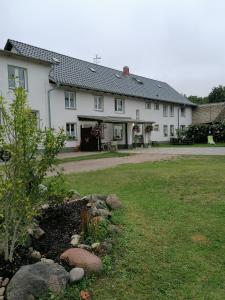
65,243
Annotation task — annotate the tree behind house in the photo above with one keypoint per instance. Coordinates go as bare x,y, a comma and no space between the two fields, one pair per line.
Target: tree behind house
33,153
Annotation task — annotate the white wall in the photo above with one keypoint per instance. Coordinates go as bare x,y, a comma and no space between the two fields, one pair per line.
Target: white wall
38,84
38,87
85,106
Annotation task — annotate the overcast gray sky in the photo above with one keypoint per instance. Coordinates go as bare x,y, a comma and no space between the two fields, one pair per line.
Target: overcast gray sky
181,42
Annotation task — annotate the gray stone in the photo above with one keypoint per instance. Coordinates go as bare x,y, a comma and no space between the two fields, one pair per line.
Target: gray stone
45,206
75,240
2,291
36,231
36,281
83,246
100,204
95,197
113,202
5,282
95,245
103,213
76,274
35,254
1,297
47,260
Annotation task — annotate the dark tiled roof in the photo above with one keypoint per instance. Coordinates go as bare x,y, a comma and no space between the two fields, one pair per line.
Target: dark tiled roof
76,72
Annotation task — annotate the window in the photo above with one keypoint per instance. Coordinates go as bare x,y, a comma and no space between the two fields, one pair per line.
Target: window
98,103
71,130
156,106
172,130
182,127
171,110
165,130
17,77
70,100
118,132
165,110
182,111
156,127
119,105
137,114
147,105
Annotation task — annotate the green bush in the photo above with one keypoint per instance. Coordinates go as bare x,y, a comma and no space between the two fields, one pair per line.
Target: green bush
199,133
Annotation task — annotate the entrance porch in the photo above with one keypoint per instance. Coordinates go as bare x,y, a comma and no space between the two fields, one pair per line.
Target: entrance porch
123,131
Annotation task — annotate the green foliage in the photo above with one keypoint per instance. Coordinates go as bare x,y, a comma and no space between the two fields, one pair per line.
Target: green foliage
56,189
20,192
93,229
217,94
199,133
198,100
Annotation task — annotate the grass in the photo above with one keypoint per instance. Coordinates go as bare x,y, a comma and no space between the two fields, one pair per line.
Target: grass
92,156
194,145
173,242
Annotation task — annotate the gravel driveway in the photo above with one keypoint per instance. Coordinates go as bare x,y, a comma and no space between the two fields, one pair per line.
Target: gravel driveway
140,155
104,163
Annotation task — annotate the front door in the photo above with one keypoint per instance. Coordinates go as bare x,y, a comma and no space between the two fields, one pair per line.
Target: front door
88,141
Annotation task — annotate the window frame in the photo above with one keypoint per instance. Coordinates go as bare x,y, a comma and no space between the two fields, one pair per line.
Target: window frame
116,106
183,112
69,136
156,106
97,97
138,114
156,127
172,130
171,110
148,105
165,110
122,133
165,132
69,99
15,79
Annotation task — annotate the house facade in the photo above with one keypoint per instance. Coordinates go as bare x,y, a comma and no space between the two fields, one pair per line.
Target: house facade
83,98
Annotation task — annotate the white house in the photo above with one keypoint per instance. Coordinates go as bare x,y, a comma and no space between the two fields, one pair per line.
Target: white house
78,95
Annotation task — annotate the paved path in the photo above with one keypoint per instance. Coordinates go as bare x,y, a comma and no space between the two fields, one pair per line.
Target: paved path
103,163
181,150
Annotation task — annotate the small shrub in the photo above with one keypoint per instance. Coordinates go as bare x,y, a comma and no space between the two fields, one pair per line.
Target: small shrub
56,189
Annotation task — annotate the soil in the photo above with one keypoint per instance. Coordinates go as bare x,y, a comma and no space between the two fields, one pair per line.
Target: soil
59,222
200,238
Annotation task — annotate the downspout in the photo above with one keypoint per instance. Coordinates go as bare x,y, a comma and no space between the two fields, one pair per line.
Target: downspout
55,62
49,105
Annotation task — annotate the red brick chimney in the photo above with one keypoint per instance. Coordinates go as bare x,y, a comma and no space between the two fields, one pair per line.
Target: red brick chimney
126,71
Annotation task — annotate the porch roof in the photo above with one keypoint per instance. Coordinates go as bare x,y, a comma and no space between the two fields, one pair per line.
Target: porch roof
109,119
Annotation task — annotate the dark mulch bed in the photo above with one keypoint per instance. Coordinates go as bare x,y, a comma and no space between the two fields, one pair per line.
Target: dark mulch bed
59,223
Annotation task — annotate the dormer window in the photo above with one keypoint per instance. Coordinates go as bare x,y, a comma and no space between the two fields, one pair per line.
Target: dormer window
17,77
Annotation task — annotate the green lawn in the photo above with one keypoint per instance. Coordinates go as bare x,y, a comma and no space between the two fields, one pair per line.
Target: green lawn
93,156
194,145
173,242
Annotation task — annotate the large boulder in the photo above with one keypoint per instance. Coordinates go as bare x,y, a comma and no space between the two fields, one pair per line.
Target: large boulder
81,258
113,202
33,281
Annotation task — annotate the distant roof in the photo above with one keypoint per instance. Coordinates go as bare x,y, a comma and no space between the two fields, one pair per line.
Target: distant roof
209,113
112,119
75,72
